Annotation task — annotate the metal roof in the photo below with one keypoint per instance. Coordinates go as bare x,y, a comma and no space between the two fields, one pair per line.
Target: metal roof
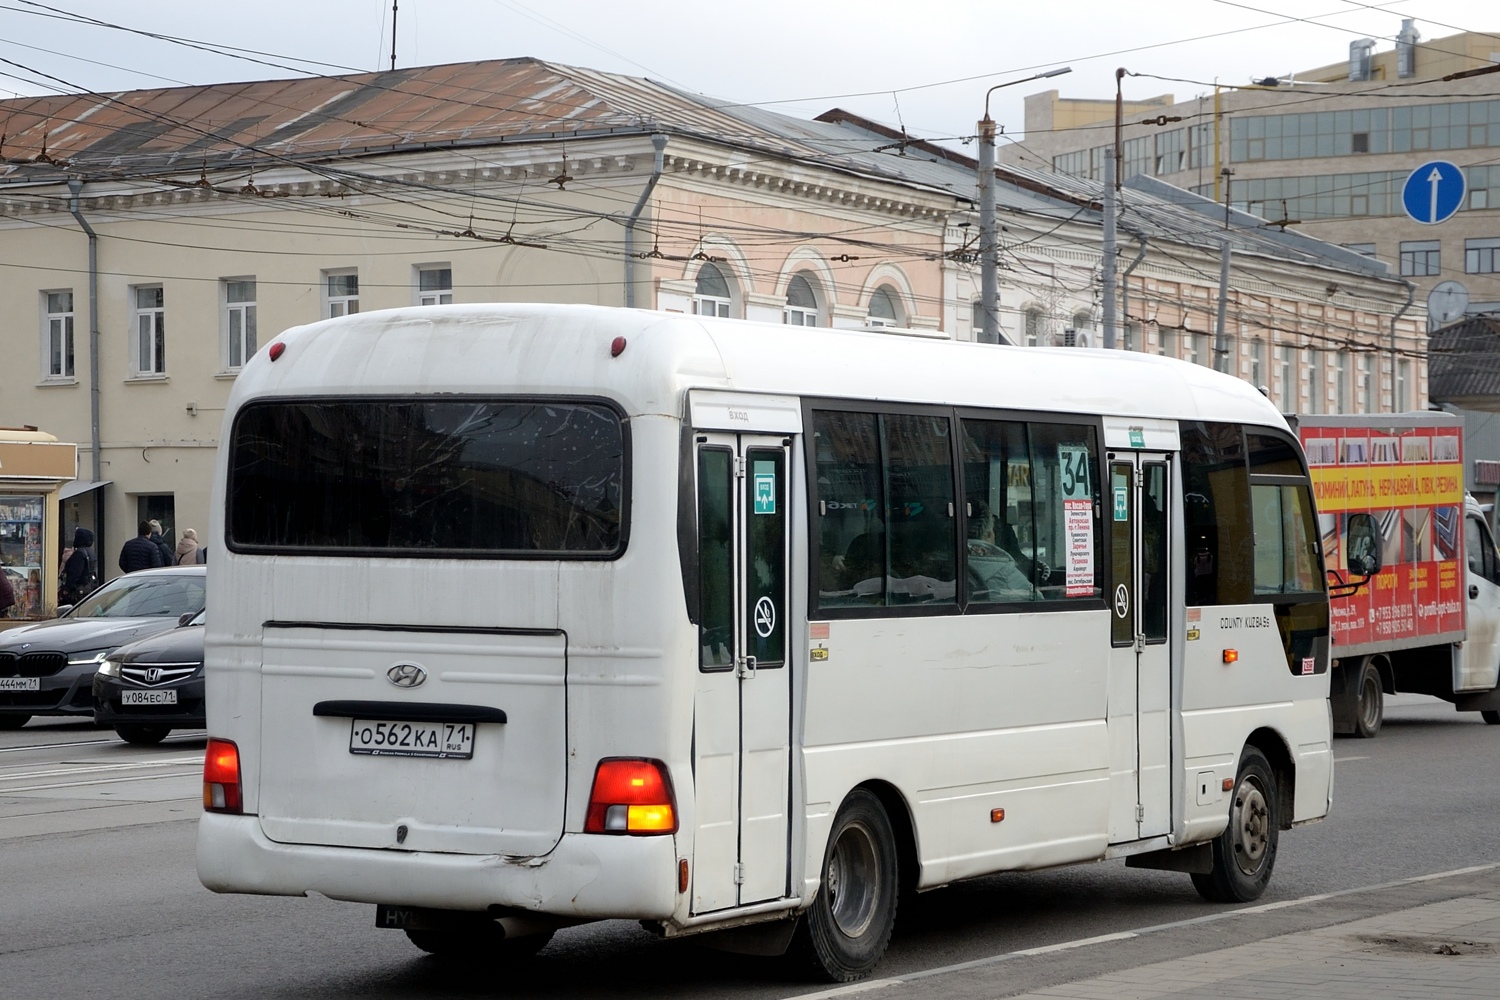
1463,364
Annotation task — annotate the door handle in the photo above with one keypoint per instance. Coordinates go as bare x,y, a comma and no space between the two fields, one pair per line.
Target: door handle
746,666
1473,590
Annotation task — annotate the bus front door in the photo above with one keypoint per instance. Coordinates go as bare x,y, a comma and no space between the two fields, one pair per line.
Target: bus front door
742,710
1141,670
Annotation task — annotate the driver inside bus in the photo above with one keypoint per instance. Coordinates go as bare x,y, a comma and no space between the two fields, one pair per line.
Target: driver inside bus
993,573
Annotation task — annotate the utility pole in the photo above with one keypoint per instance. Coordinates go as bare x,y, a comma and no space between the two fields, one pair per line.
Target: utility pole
1221,340
1107,275
988,280
395,4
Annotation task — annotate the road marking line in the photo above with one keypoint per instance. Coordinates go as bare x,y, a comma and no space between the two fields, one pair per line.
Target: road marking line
100,781
93,743
943,970
98,768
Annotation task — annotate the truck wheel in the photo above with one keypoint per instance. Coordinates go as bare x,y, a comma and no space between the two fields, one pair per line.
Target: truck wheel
1490,718
845,931
1371,703
1245,852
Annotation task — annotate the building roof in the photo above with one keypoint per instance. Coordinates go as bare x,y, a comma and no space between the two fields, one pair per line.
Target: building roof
1463,364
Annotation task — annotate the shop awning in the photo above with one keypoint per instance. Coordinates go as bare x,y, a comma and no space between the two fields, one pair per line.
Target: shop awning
78,487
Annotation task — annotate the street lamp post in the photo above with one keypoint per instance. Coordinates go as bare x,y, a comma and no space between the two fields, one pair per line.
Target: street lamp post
988,292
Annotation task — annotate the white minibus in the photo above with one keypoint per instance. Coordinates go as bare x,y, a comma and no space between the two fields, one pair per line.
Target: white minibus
532,615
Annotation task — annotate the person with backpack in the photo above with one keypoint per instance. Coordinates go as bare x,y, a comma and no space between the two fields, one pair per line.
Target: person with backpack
80,571
168,557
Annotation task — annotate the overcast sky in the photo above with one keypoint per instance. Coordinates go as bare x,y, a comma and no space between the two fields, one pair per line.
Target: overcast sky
925,63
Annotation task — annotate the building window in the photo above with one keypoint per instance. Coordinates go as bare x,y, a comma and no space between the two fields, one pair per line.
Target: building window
1139,155
1403,382
1420,258
1033,318
149,330
885,308
434,286
57,333
1317,386
711,296
1482,256
1258,363
341,293
1170,152
801,303
1341,390
1286,380
1366,386
1167,346
1130,336
1198,352
239,322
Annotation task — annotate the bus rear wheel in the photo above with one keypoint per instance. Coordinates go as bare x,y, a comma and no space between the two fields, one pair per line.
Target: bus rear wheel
1245,852
846,930
1371,703
1491,718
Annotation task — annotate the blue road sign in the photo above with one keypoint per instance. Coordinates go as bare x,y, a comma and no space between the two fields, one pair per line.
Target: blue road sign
1433,192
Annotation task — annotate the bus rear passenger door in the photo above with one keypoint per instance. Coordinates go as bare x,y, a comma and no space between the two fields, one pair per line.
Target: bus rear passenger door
742,716
1140,692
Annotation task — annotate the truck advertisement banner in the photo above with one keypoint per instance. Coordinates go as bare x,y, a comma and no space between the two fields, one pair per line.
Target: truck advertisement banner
1411,480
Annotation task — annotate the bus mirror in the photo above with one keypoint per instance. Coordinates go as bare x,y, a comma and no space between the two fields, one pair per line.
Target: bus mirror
1361,545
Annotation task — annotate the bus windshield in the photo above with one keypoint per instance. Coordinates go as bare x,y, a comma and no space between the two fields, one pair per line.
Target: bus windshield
419,477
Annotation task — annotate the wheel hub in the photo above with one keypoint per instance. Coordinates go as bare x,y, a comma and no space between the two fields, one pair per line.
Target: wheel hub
852,880
1251,820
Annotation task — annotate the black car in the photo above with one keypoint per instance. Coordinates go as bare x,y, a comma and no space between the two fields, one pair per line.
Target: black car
151,687
48,668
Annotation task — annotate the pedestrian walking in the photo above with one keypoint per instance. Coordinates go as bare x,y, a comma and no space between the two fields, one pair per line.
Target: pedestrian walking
168,557
187,548
140,552
80,571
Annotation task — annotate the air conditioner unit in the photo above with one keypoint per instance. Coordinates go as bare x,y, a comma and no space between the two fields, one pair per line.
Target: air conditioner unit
1077,338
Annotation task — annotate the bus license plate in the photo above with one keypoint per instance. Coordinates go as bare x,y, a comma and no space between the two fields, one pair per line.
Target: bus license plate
412,739
148,697
20,684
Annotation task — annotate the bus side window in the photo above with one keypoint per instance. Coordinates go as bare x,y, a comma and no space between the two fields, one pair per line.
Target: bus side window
851,529
716,558
997,498
1286,540
1219,553
920,518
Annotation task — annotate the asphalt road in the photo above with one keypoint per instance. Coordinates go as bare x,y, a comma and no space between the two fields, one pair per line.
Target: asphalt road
98,894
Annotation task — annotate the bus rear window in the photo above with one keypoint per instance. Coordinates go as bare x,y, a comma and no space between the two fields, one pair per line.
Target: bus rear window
409,477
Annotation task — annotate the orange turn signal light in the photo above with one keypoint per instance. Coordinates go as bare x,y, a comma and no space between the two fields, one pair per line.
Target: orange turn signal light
1228,784
1231,655
996,815
631,795
682,875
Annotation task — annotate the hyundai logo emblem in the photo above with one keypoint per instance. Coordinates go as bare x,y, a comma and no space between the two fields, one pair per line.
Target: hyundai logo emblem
406,675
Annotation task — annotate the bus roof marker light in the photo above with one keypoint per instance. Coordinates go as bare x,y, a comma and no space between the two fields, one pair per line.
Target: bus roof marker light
617,347
1231,655
276,350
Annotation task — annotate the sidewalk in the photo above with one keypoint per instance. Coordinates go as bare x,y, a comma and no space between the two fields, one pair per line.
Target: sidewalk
1441,950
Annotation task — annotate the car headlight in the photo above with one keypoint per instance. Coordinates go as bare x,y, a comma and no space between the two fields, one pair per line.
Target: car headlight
109,668
88,656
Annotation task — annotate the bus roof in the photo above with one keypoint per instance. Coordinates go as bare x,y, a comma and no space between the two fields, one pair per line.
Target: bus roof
566,349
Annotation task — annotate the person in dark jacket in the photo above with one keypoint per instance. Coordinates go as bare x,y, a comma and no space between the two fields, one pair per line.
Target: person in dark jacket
168,557
80,573
140,552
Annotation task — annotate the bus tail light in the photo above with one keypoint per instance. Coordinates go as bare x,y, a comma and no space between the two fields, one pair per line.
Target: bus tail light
221,778
631,795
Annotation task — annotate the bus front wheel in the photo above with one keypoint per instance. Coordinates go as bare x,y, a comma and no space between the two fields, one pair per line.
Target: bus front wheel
845,931
1245,852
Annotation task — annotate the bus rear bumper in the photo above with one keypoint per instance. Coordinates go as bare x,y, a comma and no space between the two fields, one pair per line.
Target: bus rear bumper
586,876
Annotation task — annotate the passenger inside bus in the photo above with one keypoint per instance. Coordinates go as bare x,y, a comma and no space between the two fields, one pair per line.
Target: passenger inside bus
993,572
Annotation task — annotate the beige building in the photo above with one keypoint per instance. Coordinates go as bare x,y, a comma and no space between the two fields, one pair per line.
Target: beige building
1326,151
154,240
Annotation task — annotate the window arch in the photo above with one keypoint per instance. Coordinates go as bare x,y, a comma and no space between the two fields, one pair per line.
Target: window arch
801,302
1033,320
1083,319
711,296
885,307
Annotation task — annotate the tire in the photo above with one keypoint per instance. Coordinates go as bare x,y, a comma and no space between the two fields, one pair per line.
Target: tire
483,940
143,736
1490,718
1369,710
1245,852
843,935
9,722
